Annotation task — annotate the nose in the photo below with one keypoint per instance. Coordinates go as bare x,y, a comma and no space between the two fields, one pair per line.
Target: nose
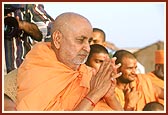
86,47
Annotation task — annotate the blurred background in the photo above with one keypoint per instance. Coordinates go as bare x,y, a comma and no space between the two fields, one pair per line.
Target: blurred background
127,24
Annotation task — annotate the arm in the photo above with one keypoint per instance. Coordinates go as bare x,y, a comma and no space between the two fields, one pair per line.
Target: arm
110,95
31,29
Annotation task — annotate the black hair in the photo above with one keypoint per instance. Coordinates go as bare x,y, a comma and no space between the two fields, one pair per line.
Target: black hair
120,54
101,31
153,106
96,48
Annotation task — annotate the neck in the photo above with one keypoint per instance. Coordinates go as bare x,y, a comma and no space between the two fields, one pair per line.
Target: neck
160,77
74,67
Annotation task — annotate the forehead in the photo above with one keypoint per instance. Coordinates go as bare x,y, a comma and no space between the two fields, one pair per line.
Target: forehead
80,31
101,56
128,61
74,25
97,35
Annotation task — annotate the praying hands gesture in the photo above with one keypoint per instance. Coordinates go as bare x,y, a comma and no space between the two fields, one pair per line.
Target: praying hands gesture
102,85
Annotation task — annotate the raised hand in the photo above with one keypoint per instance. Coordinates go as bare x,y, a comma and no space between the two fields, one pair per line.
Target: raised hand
131,98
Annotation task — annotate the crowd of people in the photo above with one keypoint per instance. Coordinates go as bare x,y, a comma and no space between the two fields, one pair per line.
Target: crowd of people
75,71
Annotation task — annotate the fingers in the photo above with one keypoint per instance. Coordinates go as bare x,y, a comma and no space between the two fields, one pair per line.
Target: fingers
114,76
127,89
103,75
113,59
105,70
118,65
104,65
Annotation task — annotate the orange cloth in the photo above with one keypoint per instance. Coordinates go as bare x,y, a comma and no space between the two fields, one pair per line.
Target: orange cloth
156,81
142,84
102,106
46,84
159,57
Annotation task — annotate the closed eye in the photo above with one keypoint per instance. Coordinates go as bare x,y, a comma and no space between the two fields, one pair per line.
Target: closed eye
81,39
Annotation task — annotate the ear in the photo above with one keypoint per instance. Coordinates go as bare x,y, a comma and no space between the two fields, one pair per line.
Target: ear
104,44
57,36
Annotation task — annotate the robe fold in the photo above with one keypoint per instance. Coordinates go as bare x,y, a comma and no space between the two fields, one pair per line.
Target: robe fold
46,84
156,81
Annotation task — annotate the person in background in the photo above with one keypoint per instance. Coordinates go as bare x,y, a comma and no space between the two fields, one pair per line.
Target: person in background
153,106
56,70
97,55
157,76
133,90
18,33
99,37
41,18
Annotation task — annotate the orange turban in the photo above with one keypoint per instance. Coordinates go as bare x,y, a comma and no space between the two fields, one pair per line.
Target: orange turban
159,57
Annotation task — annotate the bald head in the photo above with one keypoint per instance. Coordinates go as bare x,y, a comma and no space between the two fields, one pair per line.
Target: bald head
67,21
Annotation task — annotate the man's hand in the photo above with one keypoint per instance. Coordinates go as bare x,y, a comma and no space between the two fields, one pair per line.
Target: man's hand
100,84
131,98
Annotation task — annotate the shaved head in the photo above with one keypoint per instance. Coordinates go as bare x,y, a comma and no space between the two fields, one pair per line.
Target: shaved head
66,21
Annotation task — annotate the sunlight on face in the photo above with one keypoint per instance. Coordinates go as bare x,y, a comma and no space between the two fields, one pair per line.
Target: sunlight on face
128,69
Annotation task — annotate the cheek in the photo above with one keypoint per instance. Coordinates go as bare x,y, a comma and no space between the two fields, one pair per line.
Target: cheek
94,65
125,73
70,52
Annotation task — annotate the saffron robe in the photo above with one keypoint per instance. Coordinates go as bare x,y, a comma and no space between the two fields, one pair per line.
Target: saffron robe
156,81
45,84
142,84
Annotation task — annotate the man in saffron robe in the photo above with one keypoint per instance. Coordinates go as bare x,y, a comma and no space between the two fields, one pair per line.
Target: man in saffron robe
53,76
133,90
157,76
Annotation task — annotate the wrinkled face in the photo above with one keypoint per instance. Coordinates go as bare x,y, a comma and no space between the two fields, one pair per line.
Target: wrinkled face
128,69
76,48
97,59
73,46
97,38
